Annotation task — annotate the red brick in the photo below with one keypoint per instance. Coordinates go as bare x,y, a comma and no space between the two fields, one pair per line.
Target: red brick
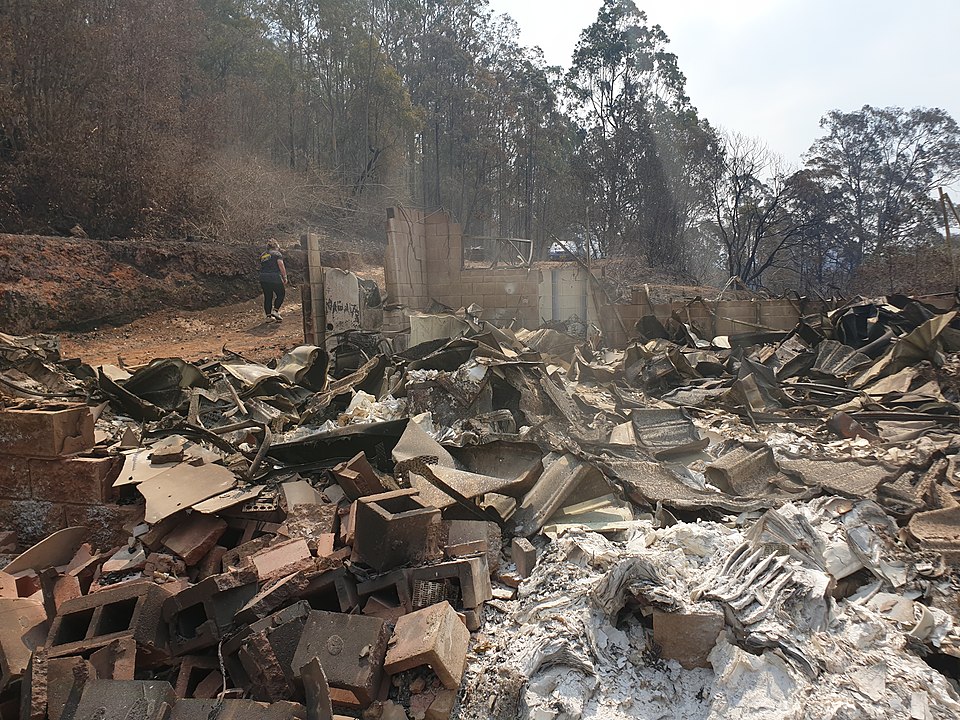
325,544
153,538
65,430
524,556
195,537
210,686
66,587
357,477
80,480
442,706
57,589
434,636
344,699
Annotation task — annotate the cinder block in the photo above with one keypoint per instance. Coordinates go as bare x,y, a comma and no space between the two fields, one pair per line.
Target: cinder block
195,537
14,477
270,561
116,661
383,609
198,616
392,589
687,637
434,636
8,542
33,520
93,621
524,556
394,529
267,653
47,433
334,590
351,649
119,699
471,575
80,480
105,520
63,676
194,669
357,477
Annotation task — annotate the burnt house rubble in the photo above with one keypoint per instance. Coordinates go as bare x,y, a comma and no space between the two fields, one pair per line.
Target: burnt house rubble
745,508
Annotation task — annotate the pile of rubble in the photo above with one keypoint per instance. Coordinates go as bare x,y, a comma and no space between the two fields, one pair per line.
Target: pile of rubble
507,524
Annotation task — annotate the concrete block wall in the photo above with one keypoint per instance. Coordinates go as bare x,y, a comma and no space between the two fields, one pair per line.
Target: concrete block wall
724,317
424,262
45,487
404,267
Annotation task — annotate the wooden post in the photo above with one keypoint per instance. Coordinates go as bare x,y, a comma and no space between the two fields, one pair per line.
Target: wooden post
946,225
311,293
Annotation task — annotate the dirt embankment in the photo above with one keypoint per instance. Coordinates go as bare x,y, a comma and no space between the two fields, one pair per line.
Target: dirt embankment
49,283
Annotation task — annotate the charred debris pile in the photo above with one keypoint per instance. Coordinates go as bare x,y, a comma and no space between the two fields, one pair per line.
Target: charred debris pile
507,524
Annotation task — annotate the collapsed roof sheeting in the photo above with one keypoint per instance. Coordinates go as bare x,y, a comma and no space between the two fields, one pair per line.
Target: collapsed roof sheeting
651,530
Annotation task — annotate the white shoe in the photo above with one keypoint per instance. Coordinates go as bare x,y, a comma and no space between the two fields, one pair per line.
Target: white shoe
276,316
269,319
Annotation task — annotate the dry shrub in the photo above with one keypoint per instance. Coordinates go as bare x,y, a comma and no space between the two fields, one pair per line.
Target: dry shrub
918,270
239,197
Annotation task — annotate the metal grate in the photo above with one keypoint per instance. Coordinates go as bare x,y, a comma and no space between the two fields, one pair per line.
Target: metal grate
428,592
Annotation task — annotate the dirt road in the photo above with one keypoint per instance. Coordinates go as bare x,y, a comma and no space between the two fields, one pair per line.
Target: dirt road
192,335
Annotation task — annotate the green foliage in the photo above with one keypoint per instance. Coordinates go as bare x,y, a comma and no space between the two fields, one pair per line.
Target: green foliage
643,151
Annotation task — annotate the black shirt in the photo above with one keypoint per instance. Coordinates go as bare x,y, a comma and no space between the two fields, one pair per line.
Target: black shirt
270,266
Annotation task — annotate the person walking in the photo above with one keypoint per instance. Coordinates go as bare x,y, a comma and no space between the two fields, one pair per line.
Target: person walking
273,277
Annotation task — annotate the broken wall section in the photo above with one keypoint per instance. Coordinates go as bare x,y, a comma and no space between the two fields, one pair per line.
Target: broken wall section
49,477
335,300
424,262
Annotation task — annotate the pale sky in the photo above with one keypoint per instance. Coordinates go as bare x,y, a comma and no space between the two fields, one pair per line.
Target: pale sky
773,68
